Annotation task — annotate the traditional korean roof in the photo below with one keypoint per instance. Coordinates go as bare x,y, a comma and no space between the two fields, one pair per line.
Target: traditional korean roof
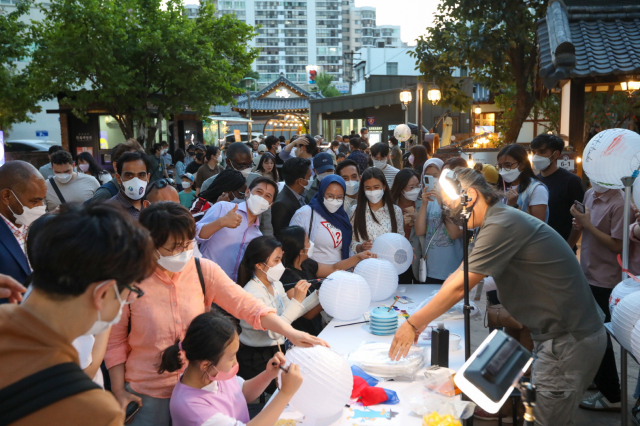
582,38
263,101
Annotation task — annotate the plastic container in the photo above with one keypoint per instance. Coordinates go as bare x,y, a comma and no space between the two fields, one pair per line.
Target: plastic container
383,322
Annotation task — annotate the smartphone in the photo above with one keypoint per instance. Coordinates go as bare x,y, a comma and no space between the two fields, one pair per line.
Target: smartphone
132,409
429,183
579,206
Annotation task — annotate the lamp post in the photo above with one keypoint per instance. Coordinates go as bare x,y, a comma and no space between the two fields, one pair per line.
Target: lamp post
249,124
405,99
434,94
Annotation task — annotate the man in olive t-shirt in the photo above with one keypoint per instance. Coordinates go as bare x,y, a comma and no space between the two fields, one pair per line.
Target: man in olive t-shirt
540,283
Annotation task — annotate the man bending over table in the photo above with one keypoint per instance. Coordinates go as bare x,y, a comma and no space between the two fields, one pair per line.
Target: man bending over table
540,283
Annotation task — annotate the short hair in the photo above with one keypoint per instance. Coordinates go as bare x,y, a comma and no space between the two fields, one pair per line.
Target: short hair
54,148
228,180
380,148
257,181
335,143
355,142
393,140
128,146
168,219
282,138
237,148
340,155
128,157
363,129
156,147
61,157
191,148
164,143
346,163
545,140
455,162
312,145
294,169
212,151
338,137
84,244
364,145
270,141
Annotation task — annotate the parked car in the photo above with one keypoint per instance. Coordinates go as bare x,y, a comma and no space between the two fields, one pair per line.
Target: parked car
230,137
28,145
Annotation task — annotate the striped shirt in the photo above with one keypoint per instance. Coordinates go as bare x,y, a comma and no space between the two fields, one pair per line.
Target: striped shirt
390,173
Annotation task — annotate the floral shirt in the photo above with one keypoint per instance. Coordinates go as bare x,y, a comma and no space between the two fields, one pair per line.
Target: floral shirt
376,229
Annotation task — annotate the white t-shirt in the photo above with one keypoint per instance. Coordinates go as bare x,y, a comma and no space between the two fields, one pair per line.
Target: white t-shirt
327,239
78,190
539,195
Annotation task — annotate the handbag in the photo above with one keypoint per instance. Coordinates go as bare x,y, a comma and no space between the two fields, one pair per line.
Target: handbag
497,316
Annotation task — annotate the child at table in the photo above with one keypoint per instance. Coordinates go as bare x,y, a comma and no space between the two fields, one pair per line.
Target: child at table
209,392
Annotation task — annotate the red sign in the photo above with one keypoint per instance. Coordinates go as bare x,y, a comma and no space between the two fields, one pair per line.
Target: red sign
84,149
371,121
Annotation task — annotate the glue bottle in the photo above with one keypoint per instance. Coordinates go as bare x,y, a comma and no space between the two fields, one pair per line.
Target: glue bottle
440,346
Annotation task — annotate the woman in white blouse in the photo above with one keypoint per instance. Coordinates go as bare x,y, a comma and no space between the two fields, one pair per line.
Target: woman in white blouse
259,273
375,214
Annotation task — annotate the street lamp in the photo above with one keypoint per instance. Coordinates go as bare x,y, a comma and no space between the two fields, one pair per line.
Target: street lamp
478,110
434,94
405,99
632,85
249,124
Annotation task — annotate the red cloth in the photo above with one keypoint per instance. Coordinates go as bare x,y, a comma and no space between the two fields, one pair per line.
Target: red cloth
366,394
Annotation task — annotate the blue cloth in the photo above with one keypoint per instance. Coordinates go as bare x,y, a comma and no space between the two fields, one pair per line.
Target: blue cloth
339,219
13,261
372,381
444,255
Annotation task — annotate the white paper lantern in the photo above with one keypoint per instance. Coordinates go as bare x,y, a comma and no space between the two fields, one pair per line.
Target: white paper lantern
624,318
381,276
635,340
327,381
624,288
611,155
396,249
402,132
345,296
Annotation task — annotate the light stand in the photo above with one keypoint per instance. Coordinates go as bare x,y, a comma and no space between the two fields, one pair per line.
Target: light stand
465,215
528,395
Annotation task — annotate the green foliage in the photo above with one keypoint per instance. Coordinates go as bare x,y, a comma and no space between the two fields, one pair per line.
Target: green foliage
132,57
495,40
610,110
18,98
323,83
242,84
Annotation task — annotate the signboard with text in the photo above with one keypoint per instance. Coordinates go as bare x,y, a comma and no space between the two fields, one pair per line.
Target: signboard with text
342,87
371,121
42,134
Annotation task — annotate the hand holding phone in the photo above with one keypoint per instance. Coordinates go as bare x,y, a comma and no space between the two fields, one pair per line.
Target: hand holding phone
429,183
579,206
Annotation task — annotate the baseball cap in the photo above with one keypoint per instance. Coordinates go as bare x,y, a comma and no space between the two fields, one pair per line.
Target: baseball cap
262,147
188,176
322,162
490,173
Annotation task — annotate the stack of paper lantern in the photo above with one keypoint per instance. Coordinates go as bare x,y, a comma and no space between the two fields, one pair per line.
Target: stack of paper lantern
345,296
383,322
624,318
623,289
381,276
611,155
396,249
327,381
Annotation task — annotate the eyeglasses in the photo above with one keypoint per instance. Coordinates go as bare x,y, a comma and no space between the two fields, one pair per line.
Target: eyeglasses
239,195
331,198
134,293
508,166
181,249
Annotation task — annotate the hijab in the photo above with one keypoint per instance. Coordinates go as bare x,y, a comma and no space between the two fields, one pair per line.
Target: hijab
339,219
436,162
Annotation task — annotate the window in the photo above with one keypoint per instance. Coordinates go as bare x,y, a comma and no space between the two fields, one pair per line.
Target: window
357,22
358,31
357,40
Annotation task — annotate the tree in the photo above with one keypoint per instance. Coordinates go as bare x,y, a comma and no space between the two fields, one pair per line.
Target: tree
136,58
494,39
324,86
18,99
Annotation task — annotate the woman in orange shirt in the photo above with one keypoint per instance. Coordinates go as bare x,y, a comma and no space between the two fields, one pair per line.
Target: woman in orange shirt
174,295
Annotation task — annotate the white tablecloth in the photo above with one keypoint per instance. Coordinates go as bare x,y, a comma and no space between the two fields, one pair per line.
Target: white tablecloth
346,339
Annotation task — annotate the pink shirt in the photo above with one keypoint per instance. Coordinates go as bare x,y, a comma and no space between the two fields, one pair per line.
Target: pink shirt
599,264
163,315
217,404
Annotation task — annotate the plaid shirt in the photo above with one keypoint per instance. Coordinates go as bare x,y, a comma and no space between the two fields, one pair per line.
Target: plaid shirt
19,233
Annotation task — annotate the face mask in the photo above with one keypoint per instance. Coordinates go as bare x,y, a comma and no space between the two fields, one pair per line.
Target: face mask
308,185
380,164
221,376
352,187
134,188
219,158
186,185
278,149
310,249
411,158
324,175
63,177
84,167
100,326
540,163
257,204
510,175
411,195
29,215
245,172
175,263
163,152
333,205
274,273
374,196
599,189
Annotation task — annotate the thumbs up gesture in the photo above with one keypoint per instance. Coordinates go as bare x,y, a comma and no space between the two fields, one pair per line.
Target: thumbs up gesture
232,219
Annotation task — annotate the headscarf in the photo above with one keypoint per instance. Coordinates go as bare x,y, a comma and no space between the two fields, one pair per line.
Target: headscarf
339,219
436,162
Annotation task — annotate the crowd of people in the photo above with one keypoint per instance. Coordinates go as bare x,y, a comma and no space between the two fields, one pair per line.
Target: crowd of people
224,241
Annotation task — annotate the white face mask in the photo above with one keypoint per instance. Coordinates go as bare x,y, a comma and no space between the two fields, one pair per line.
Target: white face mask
175,263
411,195
29,214
186,185
84,167
63,177
540,163
374,196
278,149
324,175
333,205
308,185
411,158
599,189
380,164
510,175
163,152
245,172
352,187
310,249
100,326
274,272
257,204
134,188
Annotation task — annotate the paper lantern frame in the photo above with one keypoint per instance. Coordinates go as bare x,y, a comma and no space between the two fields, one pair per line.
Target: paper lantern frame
624,318
611,155
396,249
381,275
345,296
622,290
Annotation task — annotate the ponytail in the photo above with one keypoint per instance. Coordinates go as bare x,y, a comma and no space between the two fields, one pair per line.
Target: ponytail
171,360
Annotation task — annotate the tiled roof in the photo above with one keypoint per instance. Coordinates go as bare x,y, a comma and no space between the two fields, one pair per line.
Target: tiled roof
588,41
275,104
